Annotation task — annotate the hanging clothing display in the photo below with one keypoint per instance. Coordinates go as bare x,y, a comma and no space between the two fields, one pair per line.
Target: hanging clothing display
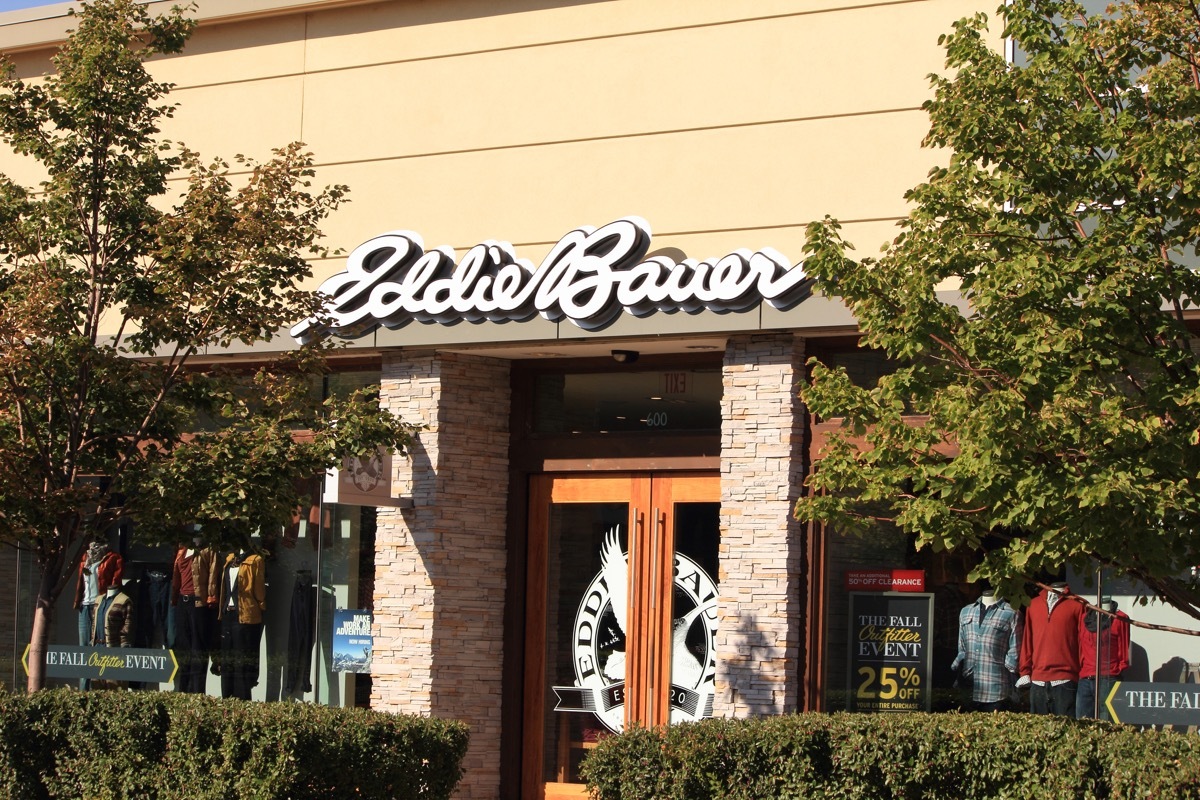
1111,635
153,605
301,632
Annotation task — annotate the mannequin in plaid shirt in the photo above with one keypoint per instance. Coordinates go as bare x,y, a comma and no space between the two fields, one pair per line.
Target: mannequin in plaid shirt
989,639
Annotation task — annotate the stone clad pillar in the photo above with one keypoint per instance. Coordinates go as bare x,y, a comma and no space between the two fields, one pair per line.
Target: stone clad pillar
760,620
440,566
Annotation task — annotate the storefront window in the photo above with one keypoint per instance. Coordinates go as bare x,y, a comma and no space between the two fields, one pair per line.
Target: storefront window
281,634
906,631
892,623
18,582
626,402
302,580
865,367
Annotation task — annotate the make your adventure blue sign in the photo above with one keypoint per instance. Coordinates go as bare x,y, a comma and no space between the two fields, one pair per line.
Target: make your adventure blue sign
351,640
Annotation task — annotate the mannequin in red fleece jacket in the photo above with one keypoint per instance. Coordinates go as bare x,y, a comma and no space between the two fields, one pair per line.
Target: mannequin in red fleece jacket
1050,651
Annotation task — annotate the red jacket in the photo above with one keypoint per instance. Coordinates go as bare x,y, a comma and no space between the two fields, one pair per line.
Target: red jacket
1114,645
1050,644
108,573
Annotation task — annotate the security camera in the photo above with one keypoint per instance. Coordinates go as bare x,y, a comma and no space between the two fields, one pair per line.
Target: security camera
625,356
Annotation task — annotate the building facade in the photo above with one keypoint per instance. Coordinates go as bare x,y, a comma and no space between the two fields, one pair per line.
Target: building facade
585,438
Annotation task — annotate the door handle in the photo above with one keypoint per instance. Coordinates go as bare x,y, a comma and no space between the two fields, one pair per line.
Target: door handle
655,550
631,562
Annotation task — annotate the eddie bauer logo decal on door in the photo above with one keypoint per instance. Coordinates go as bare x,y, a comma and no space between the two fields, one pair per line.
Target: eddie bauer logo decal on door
599,642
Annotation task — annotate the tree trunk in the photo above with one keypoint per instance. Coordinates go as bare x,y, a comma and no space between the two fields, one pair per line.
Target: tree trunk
39,637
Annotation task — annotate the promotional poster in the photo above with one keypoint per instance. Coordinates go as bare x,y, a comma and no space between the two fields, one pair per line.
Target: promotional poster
351,640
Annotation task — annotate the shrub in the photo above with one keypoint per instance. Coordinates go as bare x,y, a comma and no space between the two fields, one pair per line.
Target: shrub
901,756
164,746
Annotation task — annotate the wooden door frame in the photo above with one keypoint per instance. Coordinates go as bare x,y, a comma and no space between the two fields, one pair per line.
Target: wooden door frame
634,488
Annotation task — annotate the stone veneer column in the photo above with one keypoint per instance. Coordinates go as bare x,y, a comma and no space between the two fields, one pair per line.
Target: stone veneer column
440,566
760,621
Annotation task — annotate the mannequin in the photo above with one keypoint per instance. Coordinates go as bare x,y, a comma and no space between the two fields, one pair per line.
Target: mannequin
118,618
989,635
100,628
1111,633
99,569
195,589
1050,651
114,625
243,600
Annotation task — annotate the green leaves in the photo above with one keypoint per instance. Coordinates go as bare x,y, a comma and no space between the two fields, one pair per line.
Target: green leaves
265,440
227,262
63,744
964,756
1059,412
109,290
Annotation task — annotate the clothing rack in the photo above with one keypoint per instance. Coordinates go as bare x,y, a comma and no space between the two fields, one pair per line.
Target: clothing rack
142,567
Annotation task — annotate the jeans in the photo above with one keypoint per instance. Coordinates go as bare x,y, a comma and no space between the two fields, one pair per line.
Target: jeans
300,636
87,618
1059,700
995,705
1085,697
194,641
101,613
239,659
155,601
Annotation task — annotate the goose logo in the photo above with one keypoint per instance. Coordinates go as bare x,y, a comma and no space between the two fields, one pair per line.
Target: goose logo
365,472
599,642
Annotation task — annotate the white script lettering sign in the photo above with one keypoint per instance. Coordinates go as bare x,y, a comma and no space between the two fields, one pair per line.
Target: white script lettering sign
589,277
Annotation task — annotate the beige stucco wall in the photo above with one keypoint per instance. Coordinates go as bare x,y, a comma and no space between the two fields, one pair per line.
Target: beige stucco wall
723,124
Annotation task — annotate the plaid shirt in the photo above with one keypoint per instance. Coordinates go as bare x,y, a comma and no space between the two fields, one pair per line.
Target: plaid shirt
988,643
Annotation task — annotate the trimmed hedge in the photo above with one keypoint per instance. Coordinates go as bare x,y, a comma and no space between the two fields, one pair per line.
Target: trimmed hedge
166,746
908,756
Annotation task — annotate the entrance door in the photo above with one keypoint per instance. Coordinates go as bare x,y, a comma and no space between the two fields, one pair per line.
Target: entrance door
621,613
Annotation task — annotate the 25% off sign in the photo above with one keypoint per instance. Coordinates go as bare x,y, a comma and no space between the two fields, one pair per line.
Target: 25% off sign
890,651
888,683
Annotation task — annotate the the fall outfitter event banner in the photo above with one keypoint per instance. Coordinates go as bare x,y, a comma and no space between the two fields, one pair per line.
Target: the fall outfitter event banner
891,642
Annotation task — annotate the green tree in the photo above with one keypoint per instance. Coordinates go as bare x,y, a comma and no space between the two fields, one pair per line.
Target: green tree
133,258
1068,217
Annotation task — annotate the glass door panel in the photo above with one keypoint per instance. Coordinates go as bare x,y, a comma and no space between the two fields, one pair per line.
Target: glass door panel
692,651
586,630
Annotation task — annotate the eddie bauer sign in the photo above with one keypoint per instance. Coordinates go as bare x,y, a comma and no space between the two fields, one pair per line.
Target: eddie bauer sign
148,665
589,277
